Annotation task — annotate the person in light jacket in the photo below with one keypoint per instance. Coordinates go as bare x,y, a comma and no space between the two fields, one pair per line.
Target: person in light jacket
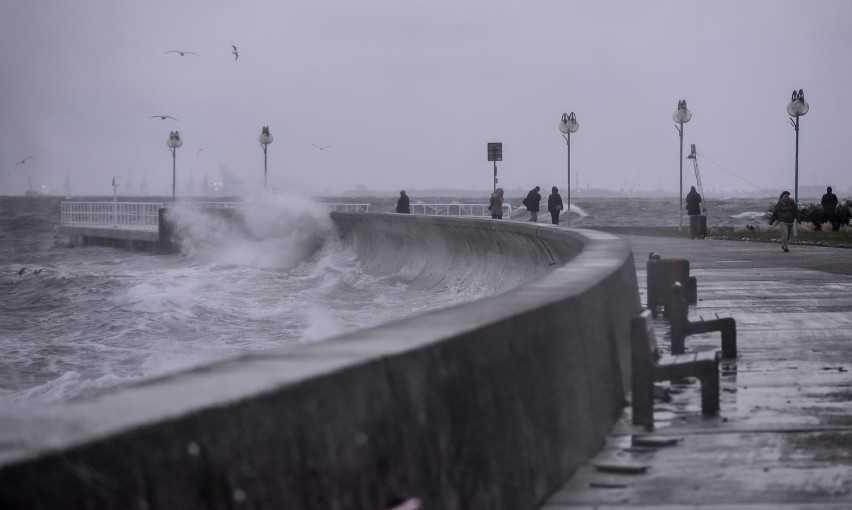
786,212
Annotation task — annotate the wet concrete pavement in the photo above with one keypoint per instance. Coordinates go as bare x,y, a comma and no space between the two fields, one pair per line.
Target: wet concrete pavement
783,437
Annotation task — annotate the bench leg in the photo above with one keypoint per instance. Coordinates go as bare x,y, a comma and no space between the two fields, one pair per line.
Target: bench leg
643,414
678,338
729,337
710,392
642,398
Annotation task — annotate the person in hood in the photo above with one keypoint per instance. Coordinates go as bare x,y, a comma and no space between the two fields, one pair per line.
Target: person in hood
402,205
693,198
532,203
554,205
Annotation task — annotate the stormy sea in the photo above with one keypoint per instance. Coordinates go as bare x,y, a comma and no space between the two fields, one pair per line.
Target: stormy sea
75,321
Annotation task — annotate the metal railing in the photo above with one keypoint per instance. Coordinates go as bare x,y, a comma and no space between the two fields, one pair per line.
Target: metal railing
364,208
145,215
127,215
455,209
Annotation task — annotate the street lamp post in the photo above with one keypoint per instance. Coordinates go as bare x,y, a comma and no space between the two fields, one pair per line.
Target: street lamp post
795,109
682,115
265,139
173,143
568,125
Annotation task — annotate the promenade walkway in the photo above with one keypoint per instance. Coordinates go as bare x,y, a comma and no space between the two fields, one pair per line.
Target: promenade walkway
783,438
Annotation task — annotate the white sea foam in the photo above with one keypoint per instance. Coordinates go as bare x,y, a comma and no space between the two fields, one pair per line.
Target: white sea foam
274,232
578,211
749,215
69,385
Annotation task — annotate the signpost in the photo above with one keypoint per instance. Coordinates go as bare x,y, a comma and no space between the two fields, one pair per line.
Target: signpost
495,154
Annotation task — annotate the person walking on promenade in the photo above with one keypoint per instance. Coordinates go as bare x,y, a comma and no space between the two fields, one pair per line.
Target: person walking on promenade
786,212
495,205
829,207
693,198
554,205
402,205
532,203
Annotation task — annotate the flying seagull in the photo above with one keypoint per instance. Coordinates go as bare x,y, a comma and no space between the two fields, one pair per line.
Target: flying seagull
182,53
199,151
324,147
21,162
235,53
164,117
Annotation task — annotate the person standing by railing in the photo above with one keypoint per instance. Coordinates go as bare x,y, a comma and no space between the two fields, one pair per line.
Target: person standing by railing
495,205
403,204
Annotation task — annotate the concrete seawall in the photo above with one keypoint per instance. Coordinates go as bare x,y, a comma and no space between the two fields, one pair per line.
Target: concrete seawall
491,404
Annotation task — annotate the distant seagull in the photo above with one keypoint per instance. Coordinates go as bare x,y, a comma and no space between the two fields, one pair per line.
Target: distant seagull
324,147
235,53
182,53
22,270
164,117
199,151
21,162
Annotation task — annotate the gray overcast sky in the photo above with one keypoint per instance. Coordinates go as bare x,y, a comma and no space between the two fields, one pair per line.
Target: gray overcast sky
408,92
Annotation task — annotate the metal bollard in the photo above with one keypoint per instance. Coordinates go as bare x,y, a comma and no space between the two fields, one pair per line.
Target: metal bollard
662,273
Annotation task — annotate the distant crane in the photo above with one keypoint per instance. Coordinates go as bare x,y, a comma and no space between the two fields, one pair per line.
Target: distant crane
694,158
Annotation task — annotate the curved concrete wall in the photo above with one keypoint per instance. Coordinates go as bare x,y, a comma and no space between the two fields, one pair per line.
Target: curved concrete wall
491,404
432,250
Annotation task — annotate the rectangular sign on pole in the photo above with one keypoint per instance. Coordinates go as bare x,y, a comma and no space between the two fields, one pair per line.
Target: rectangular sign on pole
495,151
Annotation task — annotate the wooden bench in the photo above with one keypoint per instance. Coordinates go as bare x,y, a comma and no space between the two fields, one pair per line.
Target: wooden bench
661,274
683,327
649,367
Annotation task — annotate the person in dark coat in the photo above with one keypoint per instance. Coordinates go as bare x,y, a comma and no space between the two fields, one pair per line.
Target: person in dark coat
554,205
829,207
693,198
532,203
786,212
402,205
495,205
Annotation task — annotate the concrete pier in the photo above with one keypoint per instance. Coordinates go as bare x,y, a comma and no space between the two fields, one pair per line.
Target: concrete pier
145,227
783,438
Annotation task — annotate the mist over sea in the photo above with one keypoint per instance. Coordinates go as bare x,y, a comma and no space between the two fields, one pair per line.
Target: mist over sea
75,321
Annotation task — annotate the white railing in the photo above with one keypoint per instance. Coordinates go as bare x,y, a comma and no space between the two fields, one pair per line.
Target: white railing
456,209
127,215
364,208
145,215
